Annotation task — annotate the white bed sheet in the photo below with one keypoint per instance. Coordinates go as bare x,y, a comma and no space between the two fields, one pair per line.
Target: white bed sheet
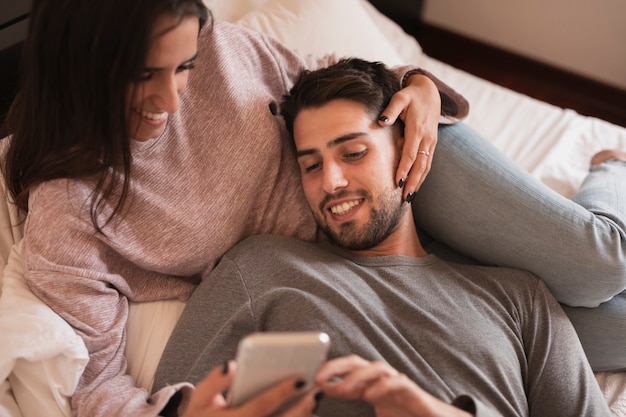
553,144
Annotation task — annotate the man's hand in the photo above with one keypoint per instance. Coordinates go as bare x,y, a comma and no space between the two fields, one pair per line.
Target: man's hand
391,393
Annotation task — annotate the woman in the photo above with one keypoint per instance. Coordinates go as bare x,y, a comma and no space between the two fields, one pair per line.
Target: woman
137,175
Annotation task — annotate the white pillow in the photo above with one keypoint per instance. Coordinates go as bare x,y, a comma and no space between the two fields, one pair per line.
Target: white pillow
405,45
41,355
231,10
320,27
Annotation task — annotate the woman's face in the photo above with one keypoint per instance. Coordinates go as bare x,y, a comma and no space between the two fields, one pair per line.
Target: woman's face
170,58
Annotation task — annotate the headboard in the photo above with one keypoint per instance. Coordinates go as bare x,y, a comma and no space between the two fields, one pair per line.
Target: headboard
406,13
13,23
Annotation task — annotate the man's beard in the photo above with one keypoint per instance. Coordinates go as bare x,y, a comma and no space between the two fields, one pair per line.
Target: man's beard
383,221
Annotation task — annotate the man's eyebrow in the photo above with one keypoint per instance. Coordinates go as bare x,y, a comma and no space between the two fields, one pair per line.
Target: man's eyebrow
341,139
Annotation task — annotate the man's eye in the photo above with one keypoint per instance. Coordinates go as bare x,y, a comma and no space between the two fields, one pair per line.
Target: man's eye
313,167
355,155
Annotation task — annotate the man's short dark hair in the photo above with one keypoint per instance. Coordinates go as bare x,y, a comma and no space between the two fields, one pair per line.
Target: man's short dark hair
369,83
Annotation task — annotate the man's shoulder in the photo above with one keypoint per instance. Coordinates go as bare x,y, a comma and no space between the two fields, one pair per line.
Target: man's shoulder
267,261
502,277
268,245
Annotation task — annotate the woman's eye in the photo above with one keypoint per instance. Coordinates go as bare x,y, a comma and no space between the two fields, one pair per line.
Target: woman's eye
145,76
187,67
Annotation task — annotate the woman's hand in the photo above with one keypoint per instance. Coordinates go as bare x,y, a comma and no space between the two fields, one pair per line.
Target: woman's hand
208,400
418,105
390,392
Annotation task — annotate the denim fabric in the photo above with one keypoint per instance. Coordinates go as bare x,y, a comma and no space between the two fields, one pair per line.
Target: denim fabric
481,204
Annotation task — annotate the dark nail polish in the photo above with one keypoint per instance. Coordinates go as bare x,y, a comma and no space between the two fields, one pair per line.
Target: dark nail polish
299,384
318,397
383,119
401,183
410,197
225,368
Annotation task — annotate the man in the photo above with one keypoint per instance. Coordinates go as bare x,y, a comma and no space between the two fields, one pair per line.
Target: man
490,340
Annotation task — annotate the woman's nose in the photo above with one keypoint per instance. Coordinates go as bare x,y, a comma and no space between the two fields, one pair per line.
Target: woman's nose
169,92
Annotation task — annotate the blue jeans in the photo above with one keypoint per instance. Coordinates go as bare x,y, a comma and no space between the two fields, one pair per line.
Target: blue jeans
482,205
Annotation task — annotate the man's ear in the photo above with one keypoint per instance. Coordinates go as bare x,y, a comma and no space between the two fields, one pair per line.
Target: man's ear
398,134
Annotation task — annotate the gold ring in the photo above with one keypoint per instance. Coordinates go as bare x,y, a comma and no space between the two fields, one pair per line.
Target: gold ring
424,153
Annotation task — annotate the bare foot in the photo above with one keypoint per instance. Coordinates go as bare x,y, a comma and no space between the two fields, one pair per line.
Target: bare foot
607,154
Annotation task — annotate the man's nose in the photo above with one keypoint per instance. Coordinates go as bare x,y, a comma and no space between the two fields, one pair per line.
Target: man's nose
334,178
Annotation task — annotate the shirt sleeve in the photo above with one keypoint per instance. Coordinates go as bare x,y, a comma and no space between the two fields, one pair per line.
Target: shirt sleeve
559,379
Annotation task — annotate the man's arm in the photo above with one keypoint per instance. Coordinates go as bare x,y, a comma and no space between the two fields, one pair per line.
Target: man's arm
560,380
216,317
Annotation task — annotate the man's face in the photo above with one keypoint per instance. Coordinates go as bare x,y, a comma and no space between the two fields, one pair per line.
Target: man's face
348,162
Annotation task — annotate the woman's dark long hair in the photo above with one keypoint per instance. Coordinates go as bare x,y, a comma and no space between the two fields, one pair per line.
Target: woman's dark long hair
69,118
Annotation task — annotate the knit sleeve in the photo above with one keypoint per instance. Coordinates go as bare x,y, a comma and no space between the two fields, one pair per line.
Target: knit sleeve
78,284
454,107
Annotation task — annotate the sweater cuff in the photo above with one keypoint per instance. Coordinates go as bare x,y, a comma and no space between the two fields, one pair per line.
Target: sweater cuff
454,107
172,400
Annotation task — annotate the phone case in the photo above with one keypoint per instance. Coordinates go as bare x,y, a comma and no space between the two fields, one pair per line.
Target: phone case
264,359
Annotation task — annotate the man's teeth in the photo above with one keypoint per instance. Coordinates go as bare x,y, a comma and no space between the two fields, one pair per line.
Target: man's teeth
153,116
344,207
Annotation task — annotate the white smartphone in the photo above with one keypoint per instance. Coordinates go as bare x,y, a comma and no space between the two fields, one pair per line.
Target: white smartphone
264,359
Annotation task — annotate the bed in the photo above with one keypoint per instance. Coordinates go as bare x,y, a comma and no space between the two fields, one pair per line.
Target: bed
41,358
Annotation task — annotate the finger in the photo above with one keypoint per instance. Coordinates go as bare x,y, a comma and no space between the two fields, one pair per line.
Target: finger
398,107
398,103
366,375
397,389
401,396
273,398
420,140
421,166
354,383
420,133
304,406
337,368
208,392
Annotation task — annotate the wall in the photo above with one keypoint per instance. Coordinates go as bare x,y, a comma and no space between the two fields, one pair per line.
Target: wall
587,37
12,21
